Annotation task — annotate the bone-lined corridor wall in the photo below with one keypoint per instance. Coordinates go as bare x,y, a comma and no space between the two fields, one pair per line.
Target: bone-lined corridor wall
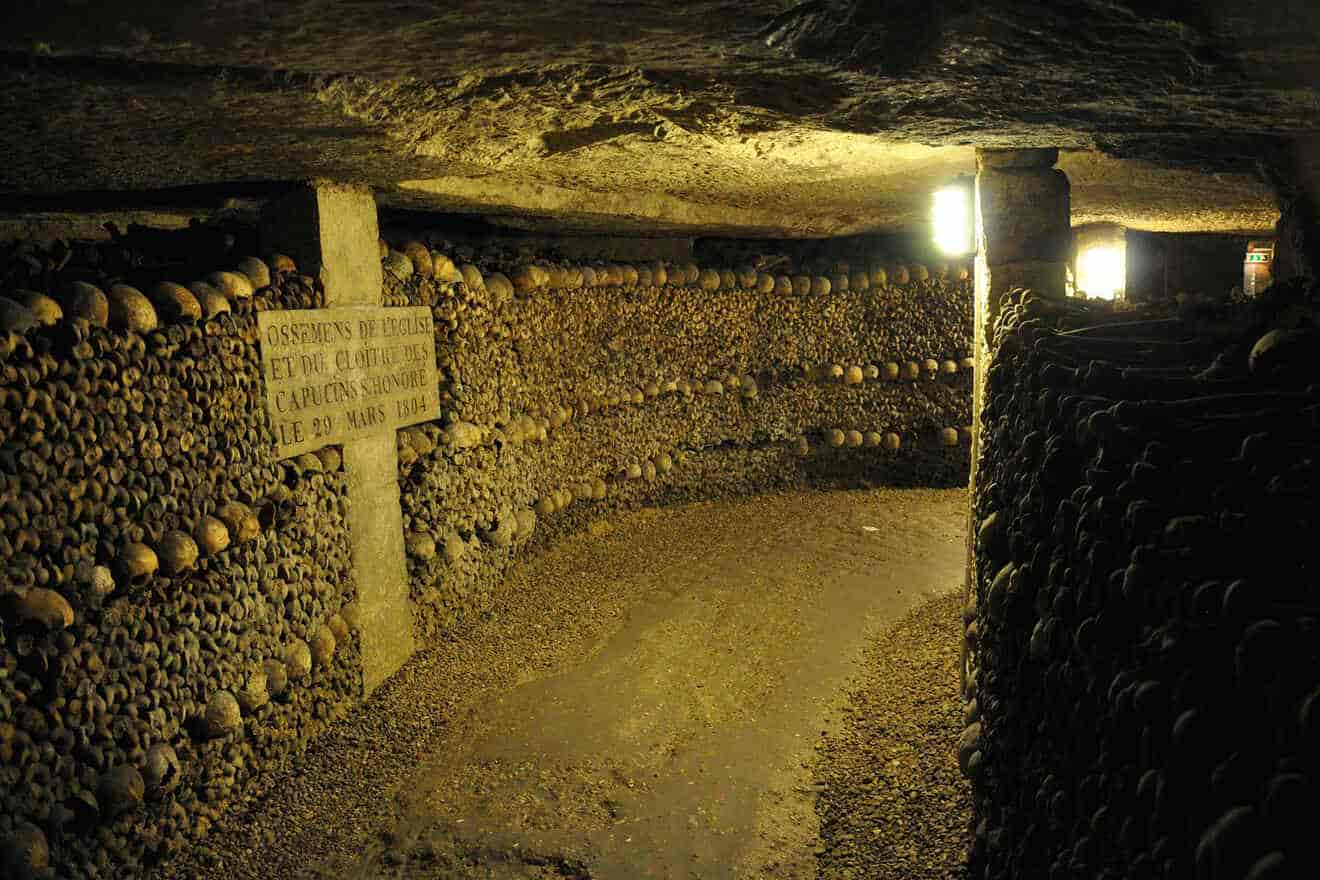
177,604
572,391
179,615
1143,676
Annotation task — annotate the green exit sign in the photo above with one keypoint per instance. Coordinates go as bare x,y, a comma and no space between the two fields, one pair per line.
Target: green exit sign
1258,258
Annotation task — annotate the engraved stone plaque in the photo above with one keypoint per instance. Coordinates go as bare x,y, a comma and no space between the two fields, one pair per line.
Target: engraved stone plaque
340,374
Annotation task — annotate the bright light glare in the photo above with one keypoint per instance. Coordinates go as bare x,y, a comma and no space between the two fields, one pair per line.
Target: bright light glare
1101,273
953,220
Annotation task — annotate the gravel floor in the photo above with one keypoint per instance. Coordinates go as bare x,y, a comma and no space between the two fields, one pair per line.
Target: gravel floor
645,703
893,803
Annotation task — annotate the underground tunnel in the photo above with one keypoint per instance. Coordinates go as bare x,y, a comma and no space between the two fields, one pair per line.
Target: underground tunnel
847,439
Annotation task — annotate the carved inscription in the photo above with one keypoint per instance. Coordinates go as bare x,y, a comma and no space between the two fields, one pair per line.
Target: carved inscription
334,375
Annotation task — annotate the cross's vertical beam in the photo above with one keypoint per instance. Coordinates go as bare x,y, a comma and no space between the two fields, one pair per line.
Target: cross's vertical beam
1023,230
331,231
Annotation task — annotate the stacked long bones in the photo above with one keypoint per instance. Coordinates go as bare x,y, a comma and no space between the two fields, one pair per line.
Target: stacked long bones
177,606
179,614
1143,667
570,392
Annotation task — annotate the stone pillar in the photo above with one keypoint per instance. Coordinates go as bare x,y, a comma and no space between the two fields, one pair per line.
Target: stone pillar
1297,237
1023,239
330,231
1293,171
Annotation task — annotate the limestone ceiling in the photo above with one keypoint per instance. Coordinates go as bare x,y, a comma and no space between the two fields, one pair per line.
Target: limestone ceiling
752,117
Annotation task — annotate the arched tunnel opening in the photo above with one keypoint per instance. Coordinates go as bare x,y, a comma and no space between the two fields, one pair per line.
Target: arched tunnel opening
835,440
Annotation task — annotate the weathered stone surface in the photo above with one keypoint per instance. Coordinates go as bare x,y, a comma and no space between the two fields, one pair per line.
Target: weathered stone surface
1035,275
376,524
333,231
330,231
758,92
386,354
1026,214
1040,157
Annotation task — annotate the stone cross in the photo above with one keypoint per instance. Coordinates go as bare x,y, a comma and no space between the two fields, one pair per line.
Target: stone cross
331,232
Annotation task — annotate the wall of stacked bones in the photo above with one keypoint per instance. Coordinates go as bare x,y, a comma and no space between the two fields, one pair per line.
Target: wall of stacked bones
178,615
571,391
175,604
1144,636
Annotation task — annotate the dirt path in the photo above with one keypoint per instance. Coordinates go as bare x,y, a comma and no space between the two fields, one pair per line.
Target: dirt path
893,803
646,704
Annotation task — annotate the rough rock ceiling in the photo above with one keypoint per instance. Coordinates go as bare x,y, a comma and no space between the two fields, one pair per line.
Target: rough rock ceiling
754,116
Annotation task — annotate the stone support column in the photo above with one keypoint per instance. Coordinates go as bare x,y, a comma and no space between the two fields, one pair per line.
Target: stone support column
1295,178
1023,233
331,232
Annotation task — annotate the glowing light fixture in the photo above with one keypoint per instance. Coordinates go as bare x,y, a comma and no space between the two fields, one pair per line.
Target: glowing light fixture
953,220
1102,272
